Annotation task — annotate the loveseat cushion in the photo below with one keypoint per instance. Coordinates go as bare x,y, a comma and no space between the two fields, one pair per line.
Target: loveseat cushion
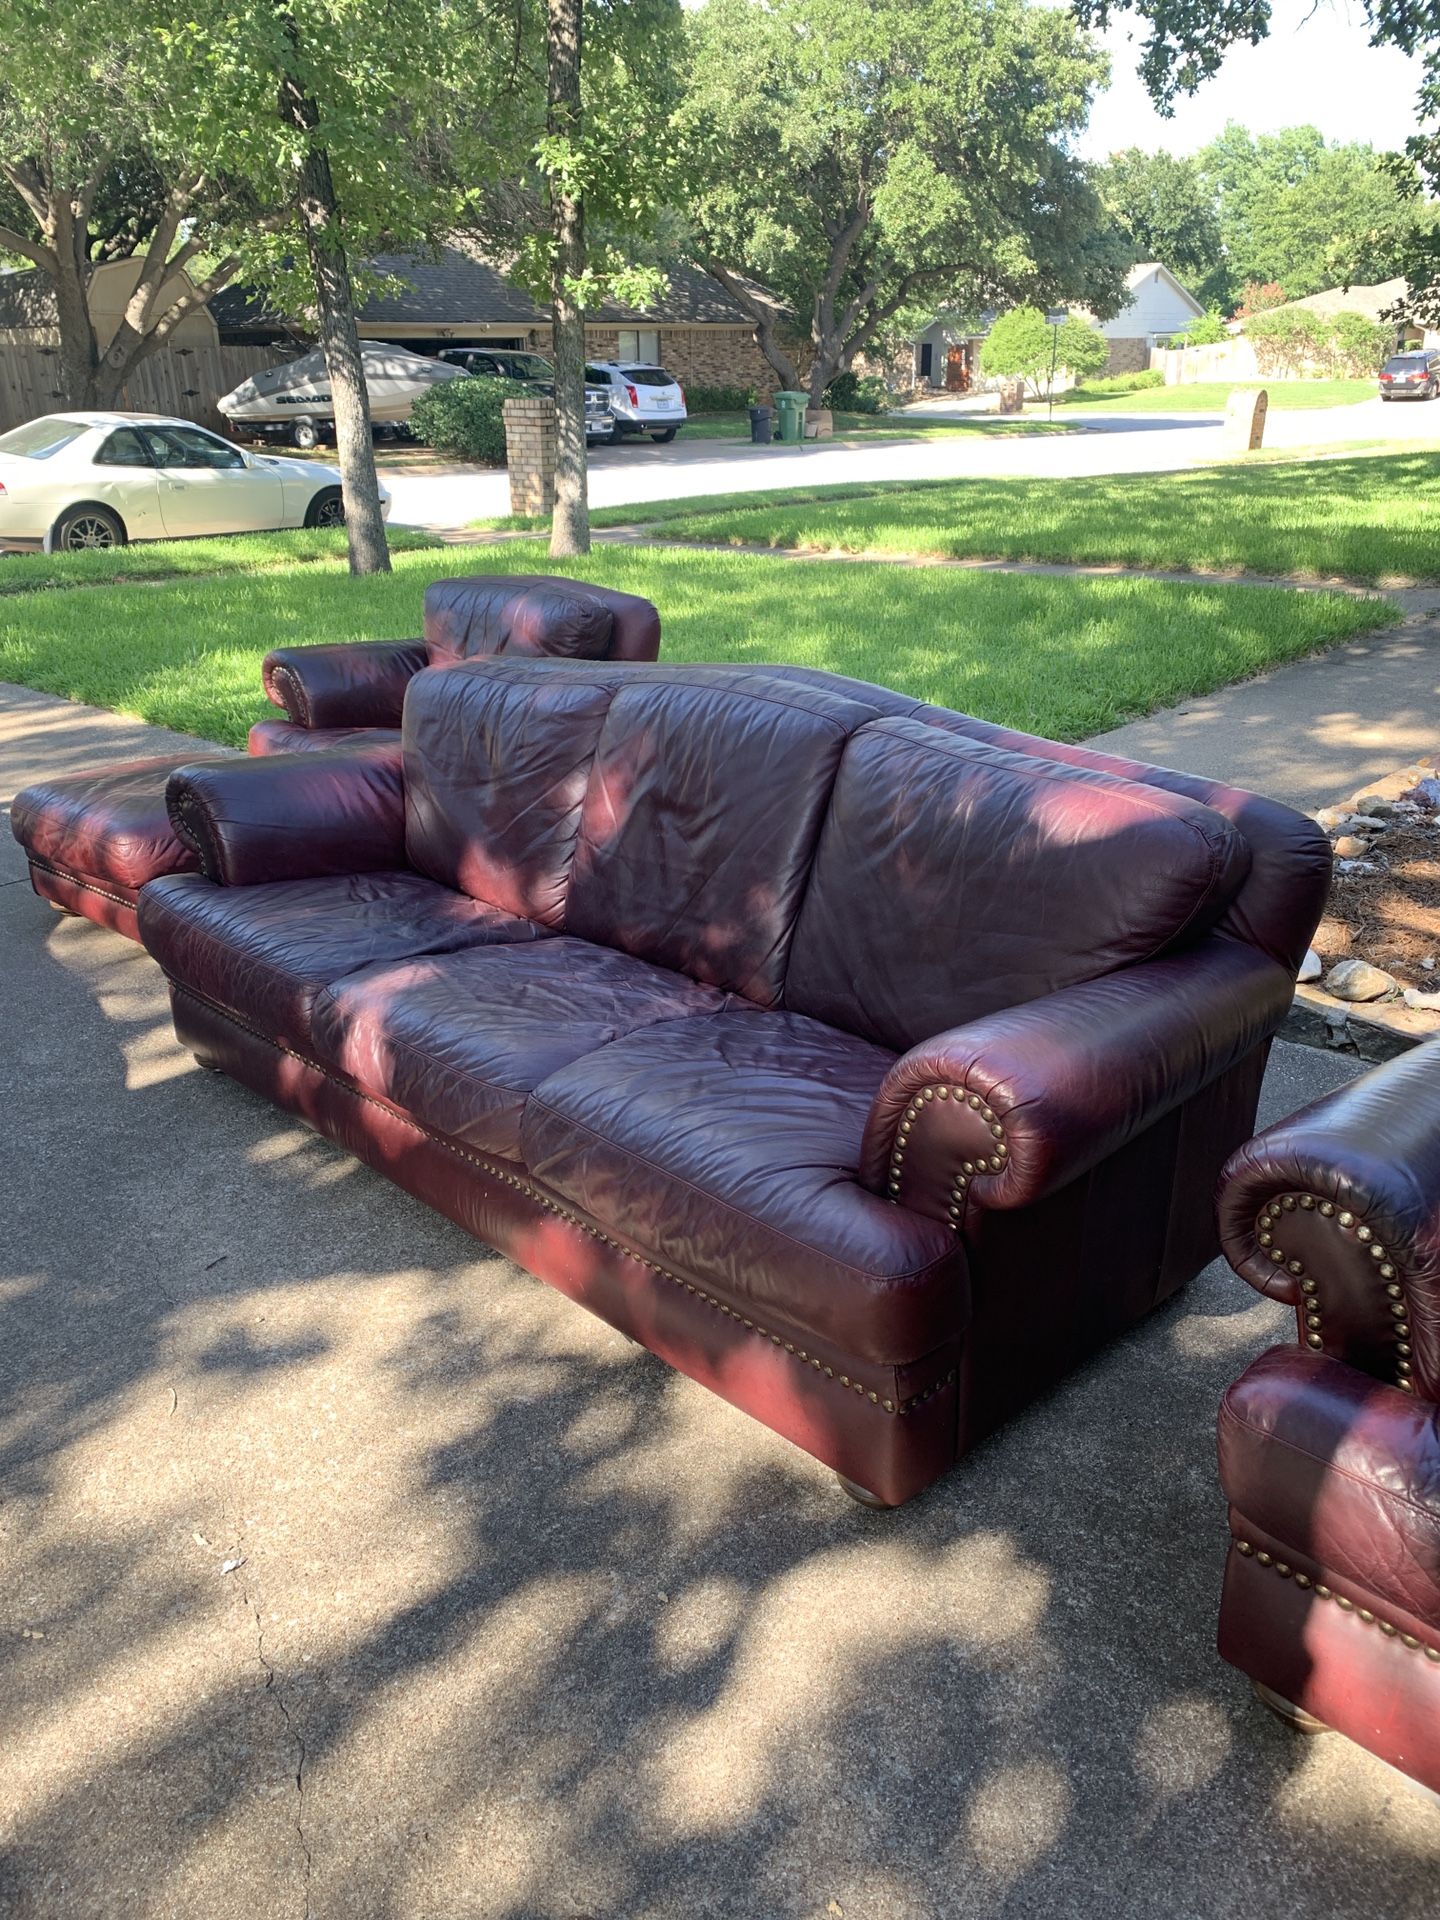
284,736
109,825
700,818
459,1039
517,614
726,1149
263,953
954,878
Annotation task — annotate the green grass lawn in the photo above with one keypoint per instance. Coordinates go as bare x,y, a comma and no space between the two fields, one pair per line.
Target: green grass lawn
1210,396
1368,519
165,559
899,425
1062,657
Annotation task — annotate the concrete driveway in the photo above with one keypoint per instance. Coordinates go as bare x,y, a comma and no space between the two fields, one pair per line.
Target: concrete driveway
349,1573
639,470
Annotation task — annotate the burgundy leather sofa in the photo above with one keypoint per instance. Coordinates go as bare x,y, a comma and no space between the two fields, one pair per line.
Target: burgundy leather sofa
1330,1449
868,1063
94,839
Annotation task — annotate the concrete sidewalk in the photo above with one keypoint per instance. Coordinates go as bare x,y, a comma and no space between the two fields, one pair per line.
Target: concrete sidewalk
350,1573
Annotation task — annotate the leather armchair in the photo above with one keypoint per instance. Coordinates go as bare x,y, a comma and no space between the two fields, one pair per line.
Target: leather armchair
332,695
1330,1450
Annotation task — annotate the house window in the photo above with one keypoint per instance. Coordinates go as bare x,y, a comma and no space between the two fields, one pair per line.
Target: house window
639,343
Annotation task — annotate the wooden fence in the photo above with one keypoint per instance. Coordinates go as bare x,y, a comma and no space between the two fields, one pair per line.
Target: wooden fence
184,381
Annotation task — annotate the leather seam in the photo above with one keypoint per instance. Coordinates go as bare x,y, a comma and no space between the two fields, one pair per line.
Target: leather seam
75,879
1327,1462
869,1395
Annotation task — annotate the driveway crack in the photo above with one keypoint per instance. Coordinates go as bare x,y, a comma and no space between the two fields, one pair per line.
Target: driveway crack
275,1692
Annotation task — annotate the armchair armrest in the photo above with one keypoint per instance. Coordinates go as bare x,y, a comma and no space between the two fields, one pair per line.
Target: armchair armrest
355,683
1009,1108
1336,1211
292,816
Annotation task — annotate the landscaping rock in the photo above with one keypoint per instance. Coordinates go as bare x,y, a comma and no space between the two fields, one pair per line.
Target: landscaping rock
1429,791
1372,804
1311,967
1330,819
1358,980
1350,846
1422,1002
1370,822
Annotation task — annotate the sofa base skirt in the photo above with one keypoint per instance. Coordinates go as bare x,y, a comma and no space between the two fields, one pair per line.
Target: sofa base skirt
808,1398
105,902
1371,1679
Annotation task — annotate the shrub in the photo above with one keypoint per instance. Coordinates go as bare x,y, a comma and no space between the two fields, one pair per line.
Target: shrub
1290,340
1259,296
1208,331
1081,348
719,399
465,417
1126,382
1360,346
857,393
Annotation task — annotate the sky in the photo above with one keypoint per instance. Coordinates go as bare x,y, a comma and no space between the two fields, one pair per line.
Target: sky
1316,68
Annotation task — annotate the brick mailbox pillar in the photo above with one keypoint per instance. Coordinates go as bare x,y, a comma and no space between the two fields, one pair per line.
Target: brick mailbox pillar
530,453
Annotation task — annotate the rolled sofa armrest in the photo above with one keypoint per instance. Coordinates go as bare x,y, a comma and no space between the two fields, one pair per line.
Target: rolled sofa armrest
1013,1106
1336,1211
297,816
354,683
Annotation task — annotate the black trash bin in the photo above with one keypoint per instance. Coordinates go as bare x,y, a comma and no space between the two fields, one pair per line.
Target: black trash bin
762,425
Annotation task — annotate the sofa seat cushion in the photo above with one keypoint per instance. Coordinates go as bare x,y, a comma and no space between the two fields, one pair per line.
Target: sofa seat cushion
459,1039
726,1149
284,736
264,953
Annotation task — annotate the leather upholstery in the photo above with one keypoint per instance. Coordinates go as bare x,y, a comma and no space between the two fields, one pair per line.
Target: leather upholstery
536,614
731,1144
264,952
582,1018
953,879
701,812
282,736
459,1039
1018,1103
348,684
110,826
1330,1450
299,816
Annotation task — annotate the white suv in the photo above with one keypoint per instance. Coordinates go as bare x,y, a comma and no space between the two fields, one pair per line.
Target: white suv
643,399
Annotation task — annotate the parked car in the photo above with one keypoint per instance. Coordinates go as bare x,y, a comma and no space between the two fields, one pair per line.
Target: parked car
643,399
75,480
537,372
1411,376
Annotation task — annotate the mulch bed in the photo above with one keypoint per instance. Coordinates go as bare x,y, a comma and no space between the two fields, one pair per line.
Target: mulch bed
1384,905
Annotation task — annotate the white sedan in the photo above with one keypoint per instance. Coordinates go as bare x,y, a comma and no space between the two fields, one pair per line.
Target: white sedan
75,480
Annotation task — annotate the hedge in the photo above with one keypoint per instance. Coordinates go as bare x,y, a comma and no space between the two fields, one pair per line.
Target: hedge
465,417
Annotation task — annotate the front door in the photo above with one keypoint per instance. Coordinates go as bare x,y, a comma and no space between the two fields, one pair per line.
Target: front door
957,369
927,360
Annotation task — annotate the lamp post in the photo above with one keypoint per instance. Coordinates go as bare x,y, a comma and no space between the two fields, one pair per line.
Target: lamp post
1054,319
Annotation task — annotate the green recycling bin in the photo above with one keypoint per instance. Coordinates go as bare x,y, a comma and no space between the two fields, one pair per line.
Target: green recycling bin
792,407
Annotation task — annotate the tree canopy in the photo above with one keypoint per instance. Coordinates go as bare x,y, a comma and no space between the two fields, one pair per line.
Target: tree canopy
1167,209
867,157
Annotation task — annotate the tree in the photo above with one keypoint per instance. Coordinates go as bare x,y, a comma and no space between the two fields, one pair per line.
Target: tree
1022,343
1304,212
1208,331
1166,209
1189,38
94,169
570,524
864,157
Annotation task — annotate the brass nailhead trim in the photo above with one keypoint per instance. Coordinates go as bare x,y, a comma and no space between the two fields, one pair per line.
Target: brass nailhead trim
75,879
1314,1336
959,1185
563,1213
1363,1614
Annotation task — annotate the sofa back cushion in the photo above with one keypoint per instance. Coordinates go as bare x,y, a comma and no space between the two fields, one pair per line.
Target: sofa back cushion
953,878
497,759
515,614
700,822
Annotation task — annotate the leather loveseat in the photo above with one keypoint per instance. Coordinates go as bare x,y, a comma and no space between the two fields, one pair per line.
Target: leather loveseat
94,839
869,1064
1330,1449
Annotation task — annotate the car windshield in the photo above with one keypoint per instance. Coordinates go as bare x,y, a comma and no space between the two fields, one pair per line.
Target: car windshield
39,439
525,366
648,376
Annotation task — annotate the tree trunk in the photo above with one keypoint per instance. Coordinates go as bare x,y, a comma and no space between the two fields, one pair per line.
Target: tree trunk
340,341
79,349
570,524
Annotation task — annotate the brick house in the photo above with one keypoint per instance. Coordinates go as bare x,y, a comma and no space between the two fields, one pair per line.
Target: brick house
695,329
